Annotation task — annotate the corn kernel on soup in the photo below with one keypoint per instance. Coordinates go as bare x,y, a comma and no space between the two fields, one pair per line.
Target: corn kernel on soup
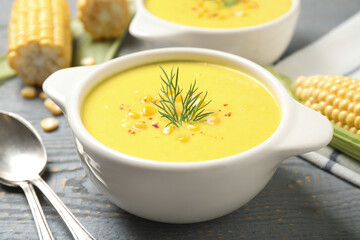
180,112
218,13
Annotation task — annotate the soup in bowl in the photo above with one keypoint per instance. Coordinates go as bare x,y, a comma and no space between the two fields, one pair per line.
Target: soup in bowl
259,30
181,166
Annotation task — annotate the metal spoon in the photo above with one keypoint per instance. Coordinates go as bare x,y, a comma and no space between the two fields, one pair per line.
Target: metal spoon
22,160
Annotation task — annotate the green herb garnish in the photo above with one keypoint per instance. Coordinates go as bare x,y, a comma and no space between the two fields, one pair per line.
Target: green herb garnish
230,3
193,106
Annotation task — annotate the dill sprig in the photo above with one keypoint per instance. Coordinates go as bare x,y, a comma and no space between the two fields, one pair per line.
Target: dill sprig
193,107
229,3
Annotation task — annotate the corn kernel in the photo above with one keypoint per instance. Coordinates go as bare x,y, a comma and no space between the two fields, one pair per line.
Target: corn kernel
357,109
87,61
133,115
350,118
322,95
335,114
182,139
148,111
343,105
52,107
192,127
342,116
139,125
168,130
28,92
330,98
328,110
357,122
212,120
42,95
49,124
353,130
357,98
147,99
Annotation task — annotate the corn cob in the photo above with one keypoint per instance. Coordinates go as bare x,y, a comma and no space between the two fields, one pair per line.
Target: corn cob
337,98
104,19
39,38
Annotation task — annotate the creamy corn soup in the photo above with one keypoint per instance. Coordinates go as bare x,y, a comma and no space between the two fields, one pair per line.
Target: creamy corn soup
218,13
120,112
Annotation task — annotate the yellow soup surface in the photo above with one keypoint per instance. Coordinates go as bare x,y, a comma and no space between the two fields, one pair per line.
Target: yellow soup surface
217,13
120,113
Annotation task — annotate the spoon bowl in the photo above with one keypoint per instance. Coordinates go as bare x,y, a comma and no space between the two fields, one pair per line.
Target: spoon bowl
18,161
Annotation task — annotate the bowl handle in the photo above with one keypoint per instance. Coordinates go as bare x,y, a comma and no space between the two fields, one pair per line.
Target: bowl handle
58,86
145,26
309,131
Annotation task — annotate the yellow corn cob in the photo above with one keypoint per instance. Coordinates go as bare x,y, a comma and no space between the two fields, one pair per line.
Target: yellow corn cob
39,38
104,19
336,97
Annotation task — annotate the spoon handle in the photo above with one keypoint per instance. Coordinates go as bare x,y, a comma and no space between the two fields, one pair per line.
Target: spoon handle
75,227
39,217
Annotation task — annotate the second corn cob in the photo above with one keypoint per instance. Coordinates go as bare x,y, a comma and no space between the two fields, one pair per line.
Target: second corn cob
336,97
104,19
39,38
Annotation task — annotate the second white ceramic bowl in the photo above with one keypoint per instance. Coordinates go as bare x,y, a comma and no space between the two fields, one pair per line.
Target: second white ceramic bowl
177,192
262,44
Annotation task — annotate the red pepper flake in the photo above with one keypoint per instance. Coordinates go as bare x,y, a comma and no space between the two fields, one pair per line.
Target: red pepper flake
155,125
228,114
150,118
121,108
213,15
132,132
226,105
155,101
194,8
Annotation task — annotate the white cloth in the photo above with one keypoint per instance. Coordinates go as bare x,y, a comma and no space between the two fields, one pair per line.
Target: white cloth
338,52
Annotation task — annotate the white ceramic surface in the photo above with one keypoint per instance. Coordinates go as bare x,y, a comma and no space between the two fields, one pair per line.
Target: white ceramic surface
194,191
262,44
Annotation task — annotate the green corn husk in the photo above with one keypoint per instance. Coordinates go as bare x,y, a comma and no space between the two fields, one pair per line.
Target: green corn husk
5,71
343,140
86,46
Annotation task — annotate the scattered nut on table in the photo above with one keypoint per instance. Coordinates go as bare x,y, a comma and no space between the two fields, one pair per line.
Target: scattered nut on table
28,92
49,124
52,107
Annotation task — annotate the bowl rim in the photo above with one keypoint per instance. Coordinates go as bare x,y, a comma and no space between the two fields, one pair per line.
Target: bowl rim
141,9
92,145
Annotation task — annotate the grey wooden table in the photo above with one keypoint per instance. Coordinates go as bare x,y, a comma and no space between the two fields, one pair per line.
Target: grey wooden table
300,202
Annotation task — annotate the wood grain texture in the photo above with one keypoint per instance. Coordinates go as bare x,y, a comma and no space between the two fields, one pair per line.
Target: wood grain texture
300,202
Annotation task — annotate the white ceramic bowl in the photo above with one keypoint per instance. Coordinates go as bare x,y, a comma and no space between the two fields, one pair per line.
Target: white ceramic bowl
185,192
262,44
